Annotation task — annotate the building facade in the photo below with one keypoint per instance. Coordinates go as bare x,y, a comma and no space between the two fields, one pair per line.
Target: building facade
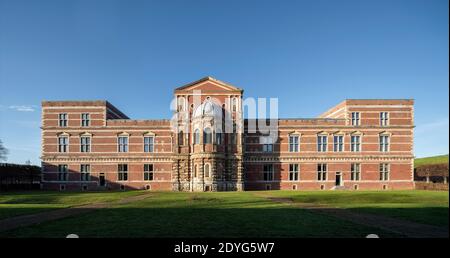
208,146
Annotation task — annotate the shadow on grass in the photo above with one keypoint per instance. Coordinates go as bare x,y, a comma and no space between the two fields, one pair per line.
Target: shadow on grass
218,222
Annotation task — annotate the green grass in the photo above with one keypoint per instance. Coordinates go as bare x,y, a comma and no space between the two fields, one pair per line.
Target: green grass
431,160
426,207
23,203
172,214
227,214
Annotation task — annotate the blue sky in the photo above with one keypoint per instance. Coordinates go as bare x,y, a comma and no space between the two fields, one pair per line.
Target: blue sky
309,54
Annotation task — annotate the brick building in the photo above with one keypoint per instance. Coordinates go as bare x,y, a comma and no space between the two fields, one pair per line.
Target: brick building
208,146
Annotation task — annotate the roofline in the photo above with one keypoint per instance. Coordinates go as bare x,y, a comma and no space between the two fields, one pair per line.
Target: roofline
105,103
208,78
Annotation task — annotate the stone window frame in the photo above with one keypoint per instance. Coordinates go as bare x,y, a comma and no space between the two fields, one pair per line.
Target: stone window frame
384,118
85,122
386,146
151,144
360,134
85,174
385,171
63,122
294,134
355,174
342,144
66,145
149,174
126,146
321,145
295,173
355,120
89,144
322,172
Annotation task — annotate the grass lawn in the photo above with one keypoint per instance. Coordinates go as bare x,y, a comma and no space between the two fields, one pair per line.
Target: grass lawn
431,160
22,203
426,207
229,214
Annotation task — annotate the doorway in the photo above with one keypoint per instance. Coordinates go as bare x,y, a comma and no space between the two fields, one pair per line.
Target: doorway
338,179
102,180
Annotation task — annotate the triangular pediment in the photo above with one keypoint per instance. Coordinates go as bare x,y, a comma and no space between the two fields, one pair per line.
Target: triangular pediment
208,85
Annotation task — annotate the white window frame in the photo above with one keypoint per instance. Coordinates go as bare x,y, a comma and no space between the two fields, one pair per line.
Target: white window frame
63,120
85,119
355,118
355,172
384,142
294,172
322,146
338,146
384,118
85,172
294,146
385,171
149,146
123,146
322,172
149,174
356,146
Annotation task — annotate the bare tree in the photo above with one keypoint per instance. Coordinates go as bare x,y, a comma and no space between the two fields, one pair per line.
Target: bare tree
3,151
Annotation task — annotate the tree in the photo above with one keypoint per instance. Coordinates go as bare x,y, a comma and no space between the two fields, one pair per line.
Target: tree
3,151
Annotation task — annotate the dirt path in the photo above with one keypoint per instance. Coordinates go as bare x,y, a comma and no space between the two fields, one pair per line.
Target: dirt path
27,220
399,226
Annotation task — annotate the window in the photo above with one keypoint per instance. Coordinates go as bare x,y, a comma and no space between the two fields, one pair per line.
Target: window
122,172
62,118
181,104
355,118
338,143
384,118
293,172
63,174
195,171
355,143
207,136
322,172
355,172
384,172
234,104
148,172
384,143
63,144
197,136
85,144
218,138
268,172
267,143
123,143
149,143
233,135
85,172
207,170
85,119
181,138
293,143
322,143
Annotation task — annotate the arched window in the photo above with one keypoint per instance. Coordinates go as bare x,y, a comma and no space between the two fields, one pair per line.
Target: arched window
181,138
234,104
181,104
207,136
207,170
218,138
197,136
195,171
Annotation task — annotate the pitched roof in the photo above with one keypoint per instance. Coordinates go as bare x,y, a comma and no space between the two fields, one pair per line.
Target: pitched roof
209,78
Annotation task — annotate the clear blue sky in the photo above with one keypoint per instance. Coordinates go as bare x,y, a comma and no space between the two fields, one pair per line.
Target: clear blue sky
309,54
